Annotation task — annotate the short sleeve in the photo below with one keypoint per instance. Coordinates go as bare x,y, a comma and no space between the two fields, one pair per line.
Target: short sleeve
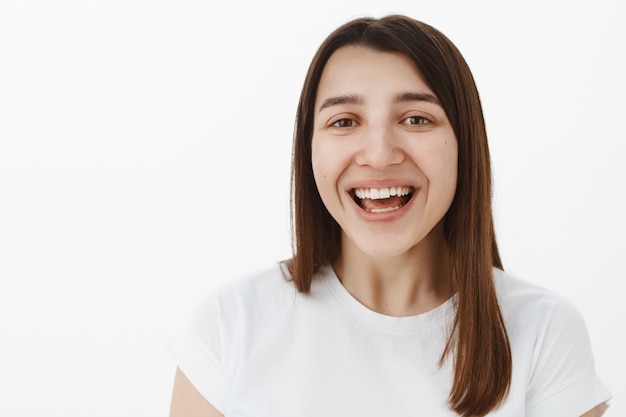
563,381
198,352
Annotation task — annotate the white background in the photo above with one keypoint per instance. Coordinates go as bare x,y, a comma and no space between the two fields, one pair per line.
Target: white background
144,158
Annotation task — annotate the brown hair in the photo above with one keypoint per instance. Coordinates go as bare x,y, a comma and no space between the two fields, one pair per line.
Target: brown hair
478,340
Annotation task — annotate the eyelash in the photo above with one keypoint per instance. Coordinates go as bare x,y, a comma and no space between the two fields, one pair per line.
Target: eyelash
340,123
421,120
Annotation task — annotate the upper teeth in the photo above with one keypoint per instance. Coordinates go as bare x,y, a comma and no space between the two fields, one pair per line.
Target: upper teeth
378,193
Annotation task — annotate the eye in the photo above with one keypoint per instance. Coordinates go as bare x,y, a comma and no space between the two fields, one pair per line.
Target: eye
344,123
416,120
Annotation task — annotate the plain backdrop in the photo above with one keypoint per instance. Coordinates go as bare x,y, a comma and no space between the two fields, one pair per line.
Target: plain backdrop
145,158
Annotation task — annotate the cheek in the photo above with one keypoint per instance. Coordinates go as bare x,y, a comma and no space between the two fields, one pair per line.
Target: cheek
450,171
439,157
317,161
329,159
451,164
322,163
440,165
326,159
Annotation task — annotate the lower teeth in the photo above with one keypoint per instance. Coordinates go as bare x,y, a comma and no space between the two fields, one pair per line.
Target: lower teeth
383,210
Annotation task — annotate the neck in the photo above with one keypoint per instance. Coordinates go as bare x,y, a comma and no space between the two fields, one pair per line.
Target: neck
404,285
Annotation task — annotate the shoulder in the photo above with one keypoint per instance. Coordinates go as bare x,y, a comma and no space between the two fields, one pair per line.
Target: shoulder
524,301
512,288
272,278
548,334
262,288
544,327
552,353
238,310
231,317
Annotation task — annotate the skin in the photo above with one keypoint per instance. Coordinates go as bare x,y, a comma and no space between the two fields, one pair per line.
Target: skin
597,411
378,124
393,262
188,402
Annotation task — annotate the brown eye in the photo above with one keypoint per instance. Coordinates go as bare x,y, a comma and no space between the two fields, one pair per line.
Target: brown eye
344,123
415,120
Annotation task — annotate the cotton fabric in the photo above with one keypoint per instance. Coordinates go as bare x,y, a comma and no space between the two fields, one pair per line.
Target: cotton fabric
255,347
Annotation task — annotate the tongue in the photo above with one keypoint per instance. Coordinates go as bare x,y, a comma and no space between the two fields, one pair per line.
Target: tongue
395,201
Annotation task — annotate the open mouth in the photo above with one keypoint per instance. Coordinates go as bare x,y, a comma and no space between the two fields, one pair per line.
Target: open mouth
382,200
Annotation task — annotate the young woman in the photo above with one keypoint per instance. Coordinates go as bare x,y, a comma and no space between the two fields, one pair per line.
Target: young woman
395,302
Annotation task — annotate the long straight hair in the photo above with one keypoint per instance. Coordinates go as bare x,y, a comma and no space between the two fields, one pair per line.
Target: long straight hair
478,341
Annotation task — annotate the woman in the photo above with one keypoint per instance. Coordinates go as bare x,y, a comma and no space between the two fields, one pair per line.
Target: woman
395,302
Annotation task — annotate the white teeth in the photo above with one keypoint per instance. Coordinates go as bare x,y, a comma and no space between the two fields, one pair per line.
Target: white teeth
383,210
380,193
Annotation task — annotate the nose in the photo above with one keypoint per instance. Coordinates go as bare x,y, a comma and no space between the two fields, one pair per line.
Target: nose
380,148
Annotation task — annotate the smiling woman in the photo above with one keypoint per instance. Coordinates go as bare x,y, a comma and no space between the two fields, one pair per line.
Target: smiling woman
392,135
395,301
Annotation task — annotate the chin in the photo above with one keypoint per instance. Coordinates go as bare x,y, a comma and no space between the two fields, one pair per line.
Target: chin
383,249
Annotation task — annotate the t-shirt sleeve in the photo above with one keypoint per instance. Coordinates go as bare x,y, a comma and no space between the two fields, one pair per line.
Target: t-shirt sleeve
563,381
198,352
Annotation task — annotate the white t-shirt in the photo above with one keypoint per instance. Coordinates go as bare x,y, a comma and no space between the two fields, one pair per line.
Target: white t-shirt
256,347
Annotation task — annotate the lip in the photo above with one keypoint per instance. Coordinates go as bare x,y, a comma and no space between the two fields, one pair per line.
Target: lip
388,216
382,183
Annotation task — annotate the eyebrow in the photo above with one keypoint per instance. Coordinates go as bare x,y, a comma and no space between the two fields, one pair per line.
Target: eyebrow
344,99
410,96
399,98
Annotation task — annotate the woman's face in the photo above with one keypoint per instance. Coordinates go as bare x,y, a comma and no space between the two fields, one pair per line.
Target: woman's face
384,154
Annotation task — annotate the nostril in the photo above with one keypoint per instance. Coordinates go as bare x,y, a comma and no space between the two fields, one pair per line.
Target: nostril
380,156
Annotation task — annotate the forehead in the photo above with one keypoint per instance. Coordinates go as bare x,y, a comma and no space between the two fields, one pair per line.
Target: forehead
357,69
